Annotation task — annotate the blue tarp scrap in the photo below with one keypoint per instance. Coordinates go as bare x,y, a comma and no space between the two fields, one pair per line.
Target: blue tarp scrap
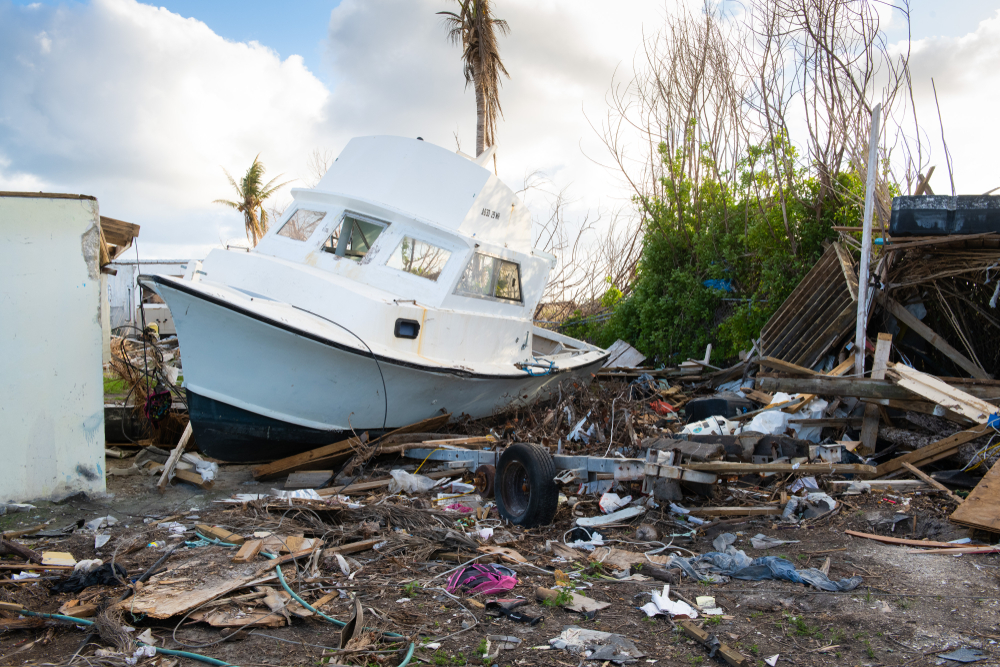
719,284
737,565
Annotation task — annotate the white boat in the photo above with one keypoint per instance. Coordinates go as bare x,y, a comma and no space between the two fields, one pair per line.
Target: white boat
402,287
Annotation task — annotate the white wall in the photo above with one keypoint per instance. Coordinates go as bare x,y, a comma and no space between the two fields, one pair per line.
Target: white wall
52,393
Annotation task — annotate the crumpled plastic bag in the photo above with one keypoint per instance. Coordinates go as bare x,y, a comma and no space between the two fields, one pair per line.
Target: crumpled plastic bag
774,422
812,505
409,483
736,564
207,469
814,409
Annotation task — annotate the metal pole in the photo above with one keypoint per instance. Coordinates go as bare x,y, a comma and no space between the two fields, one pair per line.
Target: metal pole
866,245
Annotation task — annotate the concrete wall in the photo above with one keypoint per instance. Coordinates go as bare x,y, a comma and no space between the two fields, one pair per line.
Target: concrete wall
52,392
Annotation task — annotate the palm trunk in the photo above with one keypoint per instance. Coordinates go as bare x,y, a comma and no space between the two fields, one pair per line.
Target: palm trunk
480,108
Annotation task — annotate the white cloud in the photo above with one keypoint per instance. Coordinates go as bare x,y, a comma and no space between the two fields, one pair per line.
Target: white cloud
966,71
142,107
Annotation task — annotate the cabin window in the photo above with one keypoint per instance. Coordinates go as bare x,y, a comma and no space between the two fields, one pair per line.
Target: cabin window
354,236
419,258
301,225
491,277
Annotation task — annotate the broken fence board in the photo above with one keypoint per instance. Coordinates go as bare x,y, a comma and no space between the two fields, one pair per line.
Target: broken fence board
935,450
982,508
248,551
942,393
174,457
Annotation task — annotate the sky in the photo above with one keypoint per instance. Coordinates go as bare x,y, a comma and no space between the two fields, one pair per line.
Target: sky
144,105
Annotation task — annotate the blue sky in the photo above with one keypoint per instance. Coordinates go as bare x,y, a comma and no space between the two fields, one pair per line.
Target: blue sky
144,107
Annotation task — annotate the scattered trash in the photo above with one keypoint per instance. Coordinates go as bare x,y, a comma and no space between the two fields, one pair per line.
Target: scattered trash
486,579
662,604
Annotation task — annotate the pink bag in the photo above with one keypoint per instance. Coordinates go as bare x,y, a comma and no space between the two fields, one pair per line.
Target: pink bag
482,579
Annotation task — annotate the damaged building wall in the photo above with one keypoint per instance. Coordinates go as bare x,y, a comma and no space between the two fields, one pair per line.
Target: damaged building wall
52,397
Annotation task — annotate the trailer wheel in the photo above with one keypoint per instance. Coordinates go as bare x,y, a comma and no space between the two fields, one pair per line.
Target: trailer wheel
484,480
525,487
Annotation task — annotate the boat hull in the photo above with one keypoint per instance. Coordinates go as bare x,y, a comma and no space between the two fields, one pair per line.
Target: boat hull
260,390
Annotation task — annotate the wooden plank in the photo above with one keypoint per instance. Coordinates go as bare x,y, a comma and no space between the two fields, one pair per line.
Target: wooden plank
249,551
192,477
736,511
982,508
899,540
942,393
219,533
730,655
935,450
840,369
869,427
353,547
379,483
928,334
933,482
175,456
786,366
959,550
727,467
924,407
326,454
847,266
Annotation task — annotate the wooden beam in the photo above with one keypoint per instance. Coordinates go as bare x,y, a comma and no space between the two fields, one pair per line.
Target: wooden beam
734,468
924,407
786,366
923,183
834,386
174,457
379,483
935,450
321,457
928,334
869,428
860,336
730,655
920,474
942,393
248,551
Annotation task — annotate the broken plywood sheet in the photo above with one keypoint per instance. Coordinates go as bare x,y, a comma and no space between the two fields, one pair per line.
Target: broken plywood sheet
623,355
193,583
982,508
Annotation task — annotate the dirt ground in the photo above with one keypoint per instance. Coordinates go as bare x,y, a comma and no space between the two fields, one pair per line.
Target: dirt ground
909,608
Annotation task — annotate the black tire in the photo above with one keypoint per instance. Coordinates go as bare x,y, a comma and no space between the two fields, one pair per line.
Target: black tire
525,487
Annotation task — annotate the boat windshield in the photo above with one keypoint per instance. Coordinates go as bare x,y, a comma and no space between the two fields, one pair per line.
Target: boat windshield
419,258
301,225
489,277
354,237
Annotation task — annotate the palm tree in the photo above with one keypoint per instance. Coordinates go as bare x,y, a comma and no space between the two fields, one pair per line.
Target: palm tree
475,28
251,194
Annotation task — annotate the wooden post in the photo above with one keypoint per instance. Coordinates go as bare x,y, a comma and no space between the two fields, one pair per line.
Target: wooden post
869,428
866,245
175,456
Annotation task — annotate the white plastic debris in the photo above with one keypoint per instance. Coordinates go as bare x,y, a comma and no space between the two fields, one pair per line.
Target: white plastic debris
715,425
88,565
146,636
773,660
100,522
207,469
611,502
344,567
305,494
101,540
662,604
409,483
804,483
21,576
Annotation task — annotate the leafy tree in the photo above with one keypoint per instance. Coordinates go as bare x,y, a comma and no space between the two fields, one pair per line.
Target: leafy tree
476,28
251,192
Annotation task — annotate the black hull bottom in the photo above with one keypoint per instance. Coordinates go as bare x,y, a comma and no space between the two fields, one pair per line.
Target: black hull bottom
235,435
